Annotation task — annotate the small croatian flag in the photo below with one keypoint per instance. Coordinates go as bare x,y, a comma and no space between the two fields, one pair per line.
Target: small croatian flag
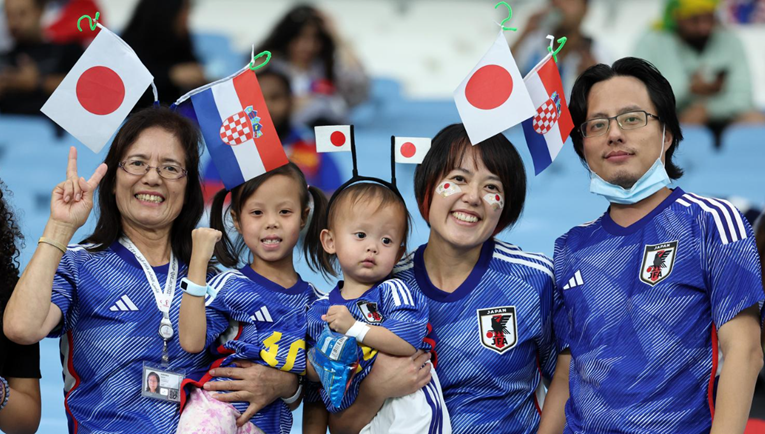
548,130
238,130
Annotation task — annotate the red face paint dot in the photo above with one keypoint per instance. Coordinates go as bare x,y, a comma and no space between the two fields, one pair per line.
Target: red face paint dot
408,149
489,87
337,138
496,198
446,185
100,90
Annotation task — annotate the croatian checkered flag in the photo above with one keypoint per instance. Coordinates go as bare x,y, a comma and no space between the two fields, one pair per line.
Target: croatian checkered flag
548,130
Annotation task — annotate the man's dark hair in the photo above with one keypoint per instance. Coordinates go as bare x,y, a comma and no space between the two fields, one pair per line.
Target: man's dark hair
659,90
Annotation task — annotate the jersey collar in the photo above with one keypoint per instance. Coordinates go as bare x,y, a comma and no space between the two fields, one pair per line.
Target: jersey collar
473,279
614,229
128,257
297,288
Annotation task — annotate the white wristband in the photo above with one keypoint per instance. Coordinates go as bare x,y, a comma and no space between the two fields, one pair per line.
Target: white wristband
358,330
296,396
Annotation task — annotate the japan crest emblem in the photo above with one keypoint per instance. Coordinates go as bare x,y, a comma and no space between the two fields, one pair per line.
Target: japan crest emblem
498,327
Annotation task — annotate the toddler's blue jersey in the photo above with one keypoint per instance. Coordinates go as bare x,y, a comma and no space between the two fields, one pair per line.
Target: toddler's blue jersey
268,326
495,336
640,308
390,304
110,327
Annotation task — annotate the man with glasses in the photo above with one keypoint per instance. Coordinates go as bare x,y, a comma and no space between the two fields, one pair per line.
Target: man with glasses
650,295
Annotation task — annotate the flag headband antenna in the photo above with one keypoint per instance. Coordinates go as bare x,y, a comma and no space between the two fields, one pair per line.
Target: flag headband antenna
254,58
561,41
509,16
92,22
356,178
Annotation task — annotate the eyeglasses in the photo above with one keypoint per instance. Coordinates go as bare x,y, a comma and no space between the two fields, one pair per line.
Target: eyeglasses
627,121
140,168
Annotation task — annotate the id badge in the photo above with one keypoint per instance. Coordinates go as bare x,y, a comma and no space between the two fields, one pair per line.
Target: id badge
159,383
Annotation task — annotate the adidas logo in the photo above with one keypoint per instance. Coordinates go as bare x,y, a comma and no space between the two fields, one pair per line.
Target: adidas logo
575,281
124,304
262,315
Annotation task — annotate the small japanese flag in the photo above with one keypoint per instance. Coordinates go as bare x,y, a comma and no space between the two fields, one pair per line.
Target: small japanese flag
411,150
493,98
333,138
99,92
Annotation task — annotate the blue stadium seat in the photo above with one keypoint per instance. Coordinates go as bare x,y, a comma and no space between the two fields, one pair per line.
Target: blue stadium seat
217,55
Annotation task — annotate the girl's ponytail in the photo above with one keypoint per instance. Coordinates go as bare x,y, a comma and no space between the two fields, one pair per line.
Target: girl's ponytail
225,251
318,259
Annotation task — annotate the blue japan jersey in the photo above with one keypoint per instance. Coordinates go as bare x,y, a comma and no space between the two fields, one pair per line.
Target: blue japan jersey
495,337
390,304
639,307
263,322
110,327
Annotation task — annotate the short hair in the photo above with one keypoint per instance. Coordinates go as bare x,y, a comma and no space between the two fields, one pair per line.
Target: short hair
368,192
446,153
109,225
659,90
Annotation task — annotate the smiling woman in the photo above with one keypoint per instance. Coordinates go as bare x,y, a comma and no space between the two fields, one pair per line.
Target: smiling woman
111,298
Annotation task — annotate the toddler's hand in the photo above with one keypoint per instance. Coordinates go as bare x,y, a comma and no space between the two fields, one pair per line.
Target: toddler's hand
339,318
203,242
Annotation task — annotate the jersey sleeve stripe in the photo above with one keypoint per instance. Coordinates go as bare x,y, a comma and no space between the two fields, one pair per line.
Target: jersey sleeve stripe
683,203
718,223
538,257
526,263
394,292
736,216
506,244
404,290
725,212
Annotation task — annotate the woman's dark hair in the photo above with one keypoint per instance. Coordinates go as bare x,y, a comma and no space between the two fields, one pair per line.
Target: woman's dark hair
448,150
272,72
290,27
341,204
151,374
10,242
229,252
109,225
659,90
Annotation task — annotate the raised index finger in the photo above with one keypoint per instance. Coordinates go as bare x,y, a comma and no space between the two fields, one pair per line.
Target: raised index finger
71,166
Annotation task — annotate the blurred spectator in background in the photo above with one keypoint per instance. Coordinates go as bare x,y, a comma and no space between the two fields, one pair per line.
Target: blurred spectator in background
705,63
320,169
34,67
19,364
744,11
560,18
159,34
326,77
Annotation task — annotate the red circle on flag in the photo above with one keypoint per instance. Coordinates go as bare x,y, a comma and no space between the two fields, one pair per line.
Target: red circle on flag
100,90
408,149
337,138
489,87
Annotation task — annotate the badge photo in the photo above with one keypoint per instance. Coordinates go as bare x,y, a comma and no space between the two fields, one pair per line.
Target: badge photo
498,327
658,261
369,310
159,383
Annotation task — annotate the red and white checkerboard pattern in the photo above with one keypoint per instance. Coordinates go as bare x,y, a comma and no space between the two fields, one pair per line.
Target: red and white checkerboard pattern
236,129
547,116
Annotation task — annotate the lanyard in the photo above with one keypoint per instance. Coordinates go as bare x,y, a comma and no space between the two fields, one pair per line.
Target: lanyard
163,297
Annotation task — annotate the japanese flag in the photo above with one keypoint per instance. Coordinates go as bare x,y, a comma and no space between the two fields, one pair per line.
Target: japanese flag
411,150
99,92
333,138
493,98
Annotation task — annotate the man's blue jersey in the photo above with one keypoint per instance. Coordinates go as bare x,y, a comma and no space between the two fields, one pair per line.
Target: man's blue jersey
495,337
110,327
640,308
268,327
390,304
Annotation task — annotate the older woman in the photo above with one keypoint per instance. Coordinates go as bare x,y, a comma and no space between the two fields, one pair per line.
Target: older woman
19,364
490,302
112,299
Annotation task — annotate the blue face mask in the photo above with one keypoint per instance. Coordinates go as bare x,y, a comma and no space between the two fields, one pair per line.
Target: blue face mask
652,181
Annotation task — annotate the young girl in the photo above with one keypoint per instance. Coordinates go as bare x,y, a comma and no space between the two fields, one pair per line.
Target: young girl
266,297
366,230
